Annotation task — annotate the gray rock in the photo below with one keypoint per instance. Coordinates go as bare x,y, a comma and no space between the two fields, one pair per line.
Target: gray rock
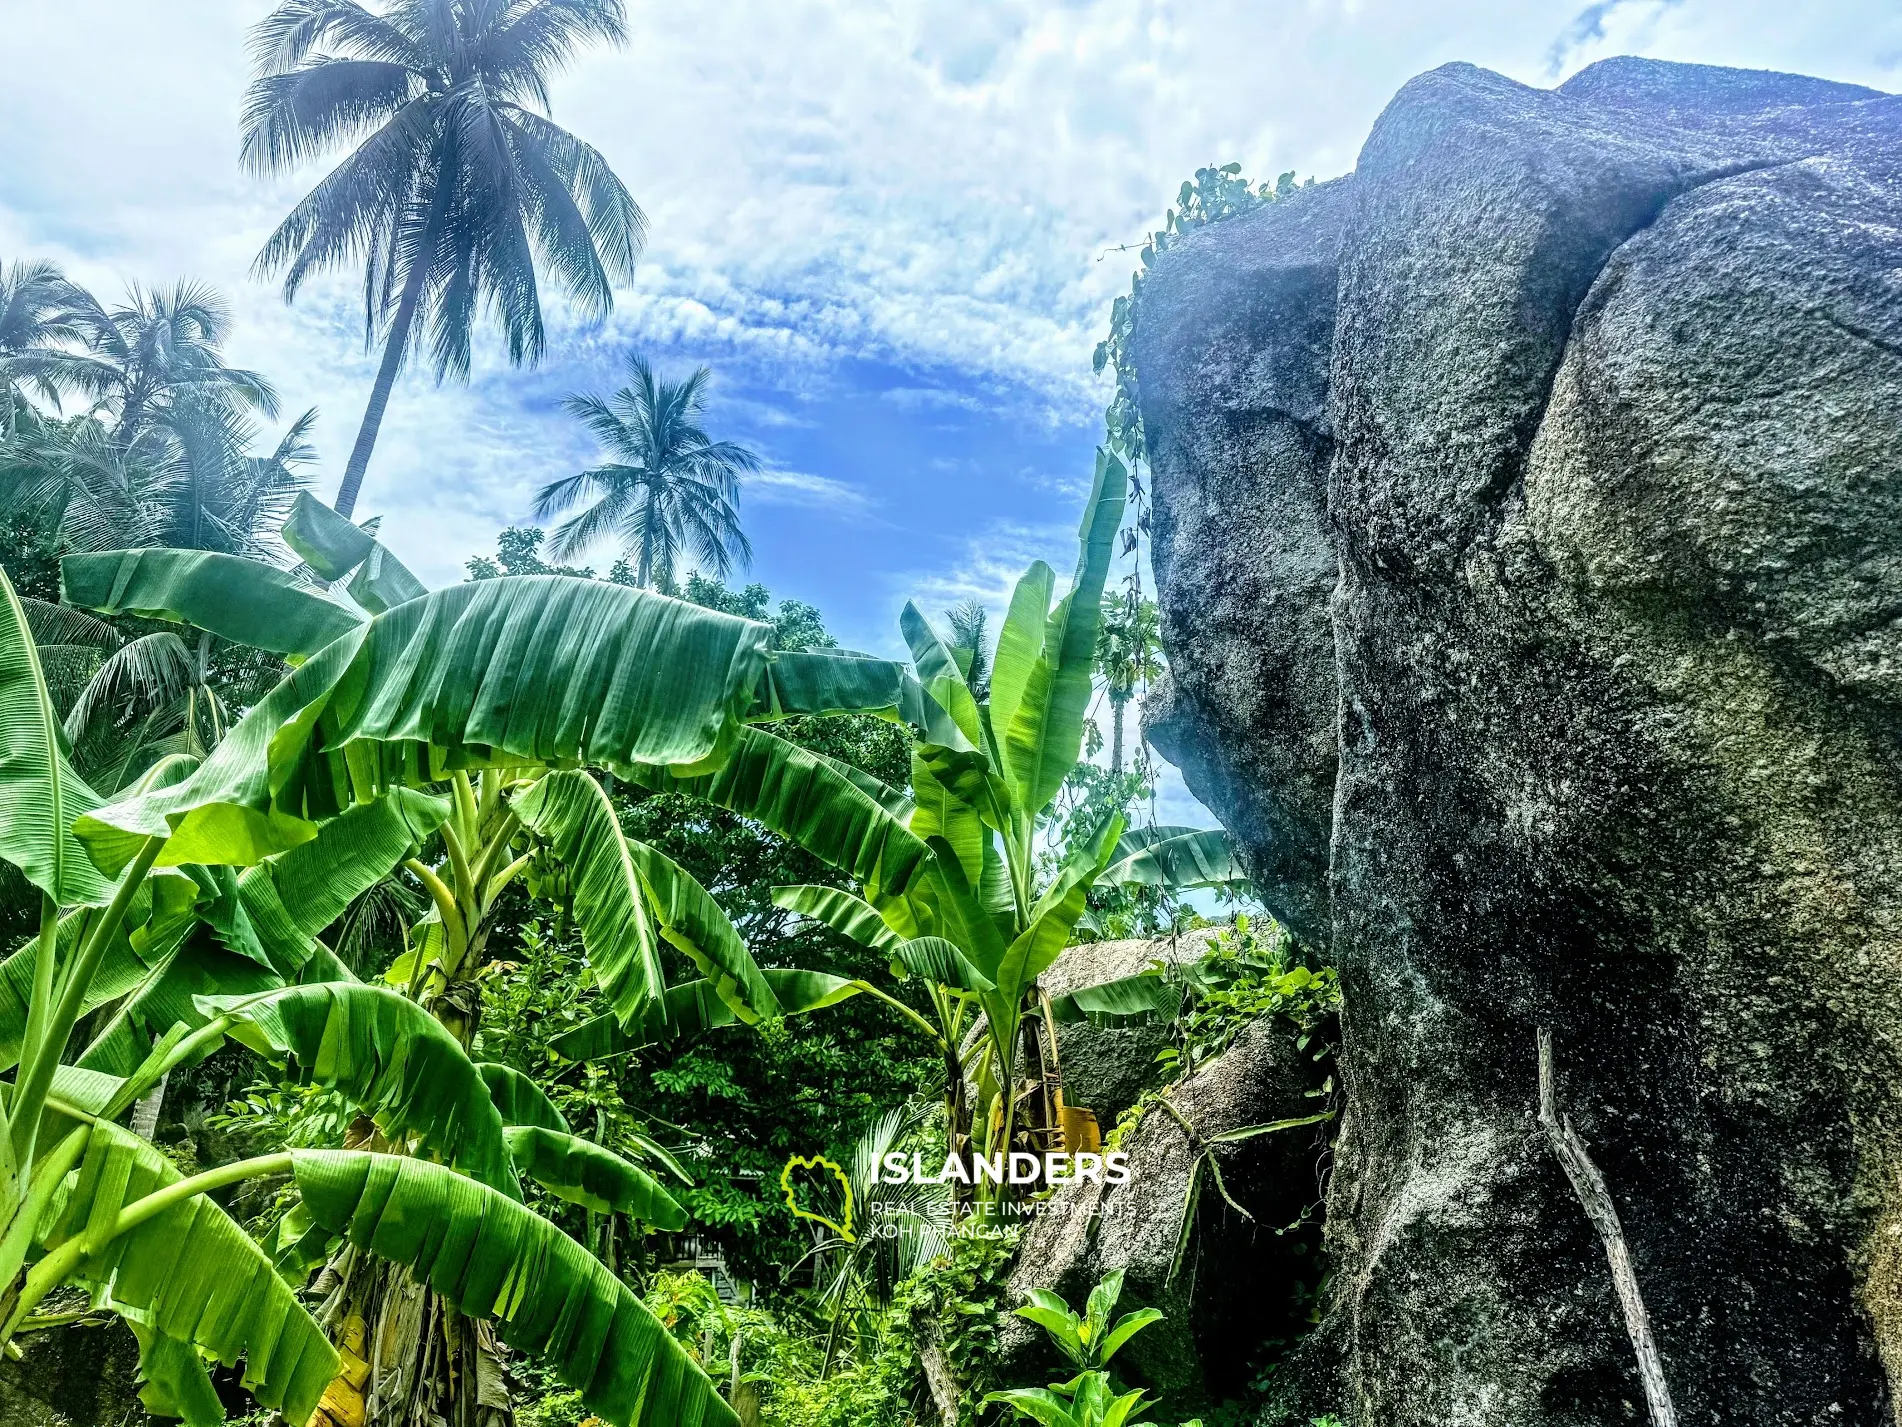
1605,386
1230,1294
1106,1068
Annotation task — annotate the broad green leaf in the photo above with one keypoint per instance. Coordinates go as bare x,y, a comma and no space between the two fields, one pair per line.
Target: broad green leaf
295,895
693,923
831,681
519,1100
389,1057
333,546
1127,1327
493,1259
1127,1001
811,800
244,601
584,1173
942,813
40,795
1056,913
967,923
193,1275
1043,733
938,670
573,816
1056,1319
1175,857
1039,1404
846,914
165,997
932,958
176,1383
1020,643
692,1009
540,670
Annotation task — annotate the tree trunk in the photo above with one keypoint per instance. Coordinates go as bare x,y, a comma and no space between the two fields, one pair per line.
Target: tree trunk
146,1112
394,346
1116,734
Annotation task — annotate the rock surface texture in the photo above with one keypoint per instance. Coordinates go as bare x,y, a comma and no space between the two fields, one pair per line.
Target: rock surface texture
1529,541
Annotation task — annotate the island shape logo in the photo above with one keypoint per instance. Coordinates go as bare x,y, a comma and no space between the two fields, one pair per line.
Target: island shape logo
821,1163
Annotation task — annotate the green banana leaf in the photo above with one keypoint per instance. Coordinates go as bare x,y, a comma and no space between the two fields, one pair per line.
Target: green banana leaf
520,673
942,813
939,672
175,1382
1175,857
693,1008
40,794
519,1100
1057,911
165,997
295,895
846,914
584,1173
932,958
1020,645
244,601
624,890
493,1259
192,1275
1043,731
386,1054
811,800
333,546
1127,1001
831,681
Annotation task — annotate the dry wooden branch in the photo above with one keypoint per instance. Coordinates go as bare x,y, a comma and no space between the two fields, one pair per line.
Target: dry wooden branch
1589,1185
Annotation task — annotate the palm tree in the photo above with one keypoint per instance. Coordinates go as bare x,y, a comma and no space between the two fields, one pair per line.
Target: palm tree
460,182
668,485
43,318
160,350
970,646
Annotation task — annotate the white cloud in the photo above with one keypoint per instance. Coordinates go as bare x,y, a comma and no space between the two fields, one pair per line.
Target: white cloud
771,487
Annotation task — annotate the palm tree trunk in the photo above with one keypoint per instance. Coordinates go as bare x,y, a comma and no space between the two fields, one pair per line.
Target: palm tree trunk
395,344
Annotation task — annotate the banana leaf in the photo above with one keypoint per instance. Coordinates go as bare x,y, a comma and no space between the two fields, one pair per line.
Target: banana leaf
40,794
295,895
1126,1001
192,1275
539,670
388,1056
846,914
244,601
165,997
939,672
932,958
830,681
333,546
811,800
493,1259
1175,857
519,1100
584,1173
1043,731
624,890
693,1008
175,1382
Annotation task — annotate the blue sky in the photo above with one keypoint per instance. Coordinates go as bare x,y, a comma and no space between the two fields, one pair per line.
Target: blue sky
884,223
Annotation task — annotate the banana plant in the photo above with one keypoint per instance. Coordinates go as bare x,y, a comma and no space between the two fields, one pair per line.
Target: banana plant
85,1202
497,696
951,885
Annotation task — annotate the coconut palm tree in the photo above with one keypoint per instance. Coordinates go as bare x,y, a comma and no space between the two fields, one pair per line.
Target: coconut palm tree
668,486
160,351
1128,655
459,185
44,319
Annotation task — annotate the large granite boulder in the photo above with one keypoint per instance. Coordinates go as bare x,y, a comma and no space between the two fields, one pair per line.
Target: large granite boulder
1529,542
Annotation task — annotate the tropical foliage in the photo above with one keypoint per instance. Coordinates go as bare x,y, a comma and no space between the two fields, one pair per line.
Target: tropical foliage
459,192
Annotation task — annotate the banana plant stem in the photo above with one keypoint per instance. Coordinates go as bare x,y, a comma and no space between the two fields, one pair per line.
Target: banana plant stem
36,1078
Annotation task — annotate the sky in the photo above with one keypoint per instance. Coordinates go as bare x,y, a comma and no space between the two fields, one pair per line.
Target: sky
892,228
